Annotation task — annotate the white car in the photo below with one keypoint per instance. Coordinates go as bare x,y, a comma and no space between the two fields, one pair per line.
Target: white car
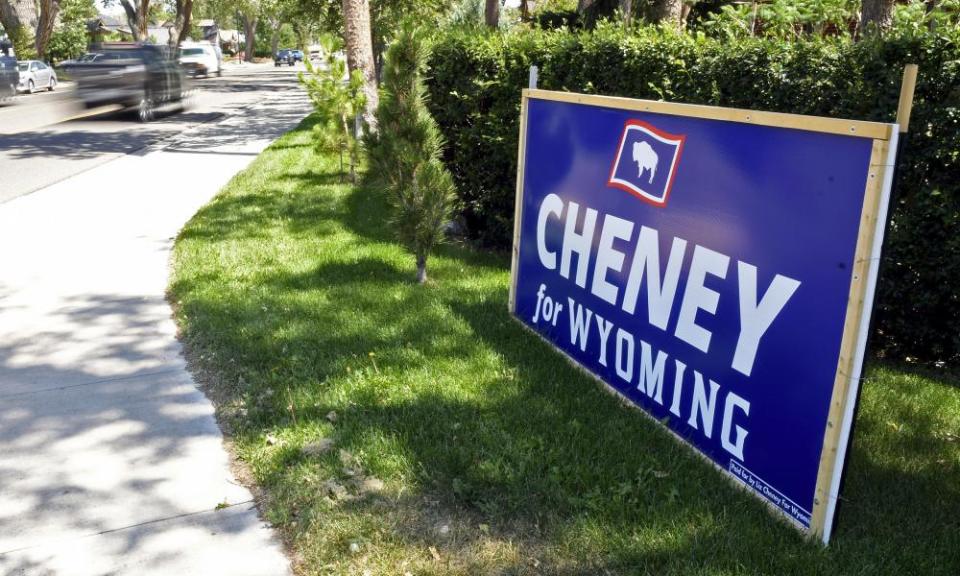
197,59
35,75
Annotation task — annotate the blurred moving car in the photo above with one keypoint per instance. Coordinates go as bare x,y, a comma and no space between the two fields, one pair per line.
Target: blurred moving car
200,58
133,75
284,56
35,75
9,76
88,57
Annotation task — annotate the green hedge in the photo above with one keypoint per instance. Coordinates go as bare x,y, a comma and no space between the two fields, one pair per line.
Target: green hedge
476,78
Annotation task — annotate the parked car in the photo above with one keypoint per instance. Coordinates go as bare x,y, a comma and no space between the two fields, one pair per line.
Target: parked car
9,76
284,56
197,59
133,75
297,55
35,75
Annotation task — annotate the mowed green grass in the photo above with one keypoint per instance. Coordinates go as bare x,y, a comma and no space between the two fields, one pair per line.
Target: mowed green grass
495,455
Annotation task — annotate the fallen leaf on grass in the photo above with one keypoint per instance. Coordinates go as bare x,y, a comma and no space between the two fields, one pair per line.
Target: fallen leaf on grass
434,553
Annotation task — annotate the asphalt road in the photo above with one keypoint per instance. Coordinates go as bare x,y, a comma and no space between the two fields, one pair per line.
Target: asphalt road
48,137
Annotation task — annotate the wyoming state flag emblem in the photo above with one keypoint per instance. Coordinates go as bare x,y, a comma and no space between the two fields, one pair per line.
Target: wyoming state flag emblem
646,162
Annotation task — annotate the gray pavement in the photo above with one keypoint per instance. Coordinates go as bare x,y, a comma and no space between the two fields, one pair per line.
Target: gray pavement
111,460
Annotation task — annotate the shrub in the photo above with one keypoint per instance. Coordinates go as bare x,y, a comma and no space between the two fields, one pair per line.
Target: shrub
405,153
476,79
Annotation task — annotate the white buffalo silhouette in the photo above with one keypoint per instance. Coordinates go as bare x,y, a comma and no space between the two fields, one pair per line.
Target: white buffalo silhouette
646,159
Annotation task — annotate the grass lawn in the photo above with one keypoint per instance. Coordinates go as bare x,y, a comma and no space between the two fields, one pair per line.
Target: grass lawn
461,444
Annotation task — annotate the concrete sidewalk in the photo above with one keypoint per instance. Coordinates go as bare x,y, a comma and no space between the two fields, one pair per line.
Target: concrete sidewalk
110,459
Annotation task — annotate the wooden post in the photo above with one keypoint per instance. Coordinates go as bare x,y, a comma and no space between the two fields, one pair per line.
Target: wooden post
907,87
904,107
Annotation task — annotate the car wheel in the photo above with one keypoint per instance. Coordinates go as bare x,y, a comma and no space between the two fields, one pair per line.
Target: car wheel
145,109
53,84
30,87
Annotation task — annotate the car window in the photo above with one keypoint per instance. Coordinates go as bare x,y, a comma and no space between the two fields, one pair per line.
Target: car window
23,67
191,52
41,66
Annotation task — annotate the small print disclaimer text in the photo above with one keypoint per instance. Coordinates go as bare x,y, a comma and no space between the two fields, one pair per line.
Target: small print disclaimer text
753,481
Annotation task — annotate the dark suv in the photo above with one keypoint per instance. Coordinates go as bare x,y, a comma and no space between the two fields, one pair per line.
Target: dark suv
284,56
9,74
133,75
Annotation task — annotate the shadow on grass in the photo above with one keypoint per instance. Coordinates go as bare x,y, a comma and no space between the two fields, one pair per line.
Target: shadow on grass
465,408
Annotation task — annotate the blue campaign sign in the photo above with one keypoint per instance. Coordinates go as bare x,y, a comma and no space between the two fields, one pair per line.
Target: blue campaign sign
713,267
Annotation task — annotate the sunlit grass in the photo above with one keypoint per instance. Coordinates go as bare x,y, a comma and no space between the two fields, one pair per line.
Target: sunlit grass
496,456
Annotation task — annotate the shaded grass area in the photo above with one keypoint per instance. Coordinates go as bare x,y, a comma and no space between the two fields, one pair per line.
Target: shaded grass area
495,455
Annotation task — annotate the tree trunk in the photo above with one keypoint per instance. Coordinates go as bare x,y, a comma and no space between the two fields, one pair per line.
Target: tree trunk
20,19
421,268
685,14
137,17
49,10
626,9
931,5
491,14
667,12
250,29
878,13
356,35
275,36
583,5
181,22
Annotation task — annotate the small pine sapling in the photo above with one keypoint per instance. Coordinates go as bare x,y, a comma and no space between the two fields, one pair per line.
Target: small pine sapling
405,153
336,102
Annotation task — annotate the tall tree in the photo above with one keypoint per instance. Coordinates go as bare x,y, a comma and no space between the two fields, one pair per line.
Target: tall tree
584,5
274,13
876,13
49,10
359,42
491,14
667,12
181,22
138,17
626,8
386,16
250,22
20,19
69,38
30,24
